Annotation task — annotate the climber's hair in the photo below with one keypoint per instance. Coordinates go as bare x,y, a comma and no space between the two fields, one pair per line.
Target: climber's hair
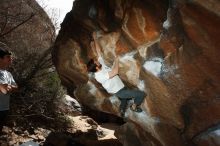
91,66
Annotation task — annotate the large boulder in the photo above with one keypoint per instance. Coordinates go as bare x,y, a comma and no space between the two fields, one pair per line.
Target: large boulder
27,29
168,49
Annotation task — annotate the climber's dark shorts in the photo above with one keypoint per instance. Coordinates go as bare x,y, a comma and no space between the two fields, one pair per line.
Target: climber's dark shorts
126,94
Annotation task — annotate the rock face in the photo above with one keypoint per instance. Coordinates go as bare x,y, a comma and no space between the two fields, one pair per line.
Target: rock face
28,21
27,30
168,49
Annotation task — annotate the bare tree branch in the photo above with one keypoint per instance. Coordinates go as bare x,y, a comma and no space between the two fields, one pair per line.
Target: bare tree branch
6,21
17,25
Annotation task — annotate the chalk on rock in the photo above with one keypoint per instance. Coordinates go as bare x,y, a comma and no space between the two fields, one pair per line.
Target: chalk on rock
29,143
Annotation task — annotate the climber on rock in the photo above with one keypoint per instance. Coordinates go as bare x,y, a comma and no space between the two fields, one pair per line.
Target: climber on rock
110,80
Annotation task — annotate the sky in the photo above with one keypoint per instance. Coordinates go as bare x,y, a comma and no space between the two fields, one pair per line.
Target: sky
60,7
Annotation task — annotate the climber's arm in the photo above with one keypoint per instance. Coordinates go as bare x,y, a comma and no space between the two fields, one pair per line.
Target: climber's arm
115,67
96,44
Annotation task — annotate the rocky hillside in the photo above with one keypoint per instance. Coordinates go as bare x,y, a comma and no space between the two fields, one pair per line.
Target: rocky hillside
25,20
168,49
28,31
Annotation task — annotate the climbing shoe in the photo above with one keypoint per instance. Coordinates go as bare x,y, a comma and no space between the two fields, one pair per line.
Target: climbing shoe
137,109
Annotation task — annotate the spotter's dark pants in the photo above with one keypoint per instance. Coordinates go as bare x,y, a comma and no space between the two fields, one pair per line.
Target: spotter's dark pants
3,115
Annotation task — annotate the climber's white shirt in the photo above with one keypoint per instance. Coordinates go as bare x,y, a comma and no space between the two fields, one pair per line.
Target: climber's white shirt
111,85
